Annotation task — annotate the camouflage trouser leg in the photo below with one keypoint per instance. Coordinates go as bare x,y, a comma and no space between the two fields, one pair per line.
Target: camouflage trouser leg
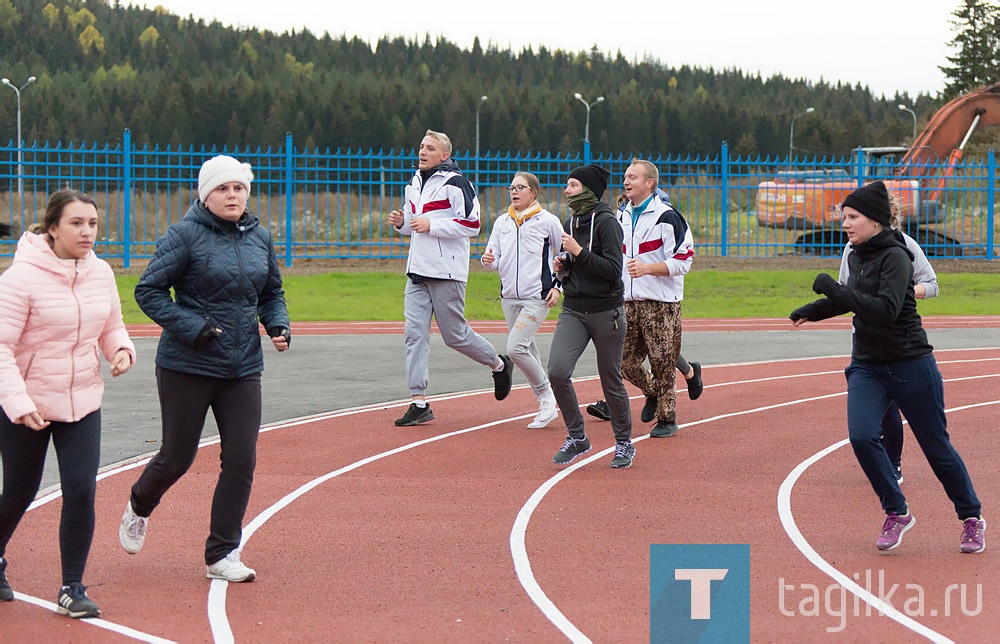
654,332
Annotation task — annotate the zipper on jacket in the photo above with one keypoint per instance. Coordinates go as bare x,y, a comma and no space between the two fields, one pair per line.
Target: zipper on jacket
237,238
28,368
79,323
517,261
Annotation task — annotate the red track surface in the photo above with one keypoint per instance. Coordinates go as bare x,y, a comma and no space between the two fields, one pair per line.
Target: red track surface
690,324
415,545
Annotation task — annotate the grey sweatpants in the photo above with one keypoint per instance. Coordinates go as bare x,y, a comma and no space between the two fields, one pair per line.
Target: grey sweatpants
445,301
524,317
574,331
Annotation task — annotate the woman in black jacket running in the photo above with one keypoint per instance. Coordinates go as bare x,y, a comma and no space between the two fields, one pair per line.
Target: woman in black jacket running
891,361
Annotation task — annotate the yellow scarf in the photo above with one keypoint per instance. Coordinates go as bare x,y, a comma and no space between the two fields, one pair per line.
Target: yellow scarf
520,218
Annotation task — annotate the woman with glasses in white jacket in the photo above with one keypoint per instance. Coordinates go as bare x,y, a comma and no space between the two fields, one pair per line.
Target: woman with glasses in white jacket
521,247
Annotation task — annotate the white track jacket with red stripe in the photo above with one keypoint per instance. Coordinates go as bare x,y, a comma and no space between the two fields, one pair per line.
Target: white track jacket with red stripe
661,234
449,201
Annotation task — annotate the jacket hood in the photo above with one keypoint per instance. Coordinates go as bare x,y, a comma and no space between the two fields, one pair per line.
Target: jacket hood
200,214
582,221
885,239
448,165
34,249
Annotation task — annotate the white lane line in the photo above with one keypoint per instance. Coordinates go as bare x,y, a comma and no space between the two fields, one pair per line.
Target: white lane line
96,621
522,564
217,615
793,532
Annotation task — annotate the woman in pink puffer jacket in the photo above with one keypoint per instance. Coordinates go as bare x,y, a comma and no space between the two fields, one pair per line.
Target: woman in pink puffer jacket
59,309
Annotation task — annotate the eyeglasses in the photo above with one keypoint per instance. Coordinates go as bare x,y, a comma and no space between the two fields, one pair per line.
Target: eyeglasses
514,189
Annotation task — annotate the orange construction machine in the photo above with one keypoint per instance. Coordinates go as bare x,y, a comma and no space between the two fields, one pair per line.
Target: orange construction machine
810,200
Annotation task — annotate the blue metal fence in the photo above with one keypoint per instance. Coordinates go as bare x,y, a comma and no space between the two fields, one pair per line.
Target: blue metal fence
335,204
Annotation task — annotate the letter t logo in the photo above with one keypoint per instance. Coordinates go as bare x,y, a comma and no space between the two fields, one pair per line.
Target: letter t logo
701,588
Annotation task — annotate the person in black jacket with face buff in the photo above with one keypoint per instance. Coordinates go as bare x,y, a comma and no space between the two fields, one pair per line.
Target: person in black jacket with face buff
590,273
891,361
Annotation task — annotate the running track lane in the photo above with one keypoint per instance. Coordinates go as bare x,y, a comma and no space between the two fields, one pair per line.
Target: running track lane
416,545
690,324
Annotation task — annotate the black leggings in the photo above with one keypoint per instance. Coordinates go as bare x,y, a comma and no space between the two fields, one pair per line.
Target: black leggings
184,402
78,450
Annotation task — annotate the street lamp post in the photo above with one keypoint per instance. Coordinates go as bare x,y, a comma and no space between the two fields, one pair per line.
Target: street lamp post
791,133
20,142
482,99
586,128
914,115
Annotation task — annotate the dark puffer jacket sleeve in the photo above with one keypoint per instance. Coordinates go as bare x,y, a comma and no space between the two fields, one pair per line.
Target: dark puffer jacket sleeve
271,305
152,293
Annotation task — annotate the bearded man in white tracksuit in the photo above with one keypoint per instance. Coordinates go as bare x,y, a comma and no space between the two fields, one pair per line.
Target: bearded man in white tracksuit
658,249
440,213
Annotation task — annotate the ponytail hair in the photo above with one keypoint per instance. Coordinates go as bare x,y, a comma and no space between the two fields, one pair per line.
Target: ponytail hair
895,221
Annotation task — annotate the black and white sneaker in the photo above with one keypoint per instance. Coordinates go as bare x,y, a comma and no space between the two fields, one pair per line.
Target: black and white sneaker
599,409
503,379
624,454
73,601
415,415
572,448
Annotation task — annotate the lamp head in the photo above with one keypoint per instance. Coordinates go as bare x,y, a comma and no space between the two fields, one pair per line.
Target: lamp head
903,107
31,79
576,96
5,81
482,99
810,110
600,99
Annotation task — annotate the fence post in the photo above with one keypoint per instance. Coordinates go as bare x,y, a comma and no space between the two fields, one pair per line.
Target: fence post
289,198
724,200
126,233
586,153
991,199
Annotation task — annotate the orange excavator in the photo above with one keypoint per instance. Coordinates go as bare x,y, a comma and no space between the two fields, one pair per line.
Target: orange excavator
809,201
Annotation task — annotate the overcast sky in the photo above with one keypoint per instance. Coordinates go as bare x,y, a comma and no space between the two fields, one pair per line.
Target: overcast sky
888,45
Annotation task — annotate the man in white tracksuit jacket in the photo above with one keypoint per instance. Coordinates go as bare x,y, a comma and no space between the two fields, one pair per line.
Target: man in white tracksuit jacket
440,213
658,249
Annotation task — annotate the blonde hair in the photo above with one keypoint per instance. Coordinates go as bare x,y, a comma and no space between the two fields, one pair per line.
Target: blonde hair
895,221
531,180
649,169
441,138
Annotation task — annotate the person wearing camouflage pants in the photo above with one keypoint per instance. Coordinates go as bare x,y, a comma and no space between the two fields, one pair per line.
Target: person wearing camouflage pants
658,249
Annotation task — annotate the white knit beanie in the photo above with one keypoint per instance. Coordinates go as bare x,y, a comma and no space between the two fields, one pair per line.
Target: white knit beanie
219,170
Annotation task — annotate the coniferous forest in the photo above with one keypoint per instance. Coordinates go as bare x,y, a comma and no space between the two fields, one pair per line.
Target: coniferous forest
102,68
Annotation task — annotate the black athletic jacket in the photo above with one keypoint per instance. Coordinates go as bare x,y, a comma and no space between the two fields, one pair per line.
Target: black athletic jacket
879,291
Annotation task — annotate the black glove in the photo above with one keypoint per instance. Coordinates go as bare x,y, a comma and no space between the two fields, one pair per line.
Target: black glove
206,336
276,331
824,284
798,314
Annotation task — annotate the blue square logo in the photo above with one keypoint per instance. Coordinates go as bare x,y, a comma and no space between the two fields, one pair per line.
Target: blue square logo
699,593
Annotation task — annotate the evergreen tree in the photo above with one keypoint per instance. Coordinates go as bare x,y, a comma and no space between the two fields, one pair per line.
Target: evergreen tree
977,61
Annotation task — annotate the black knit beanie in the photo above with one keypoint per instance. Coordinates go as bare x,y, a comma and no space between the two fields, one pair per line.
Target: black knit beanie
872,201
592,176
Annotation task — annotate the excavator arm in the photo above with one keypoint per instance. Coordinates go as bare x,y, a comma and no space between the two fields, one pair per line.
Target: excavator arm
949,130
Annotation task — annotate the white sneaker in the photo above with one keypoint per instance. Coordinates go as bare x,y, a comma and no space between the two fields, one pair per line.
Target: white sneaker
230,568
132,531
547,412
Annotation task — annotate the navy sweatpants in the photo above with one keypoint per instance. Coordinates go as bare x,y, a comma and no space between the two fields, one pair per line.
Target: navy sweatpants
916,386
